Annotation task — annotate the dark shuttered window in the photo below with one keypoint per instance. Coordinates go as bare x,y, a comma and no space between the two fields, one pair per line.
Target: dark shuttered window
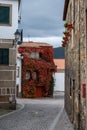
4,56
4,14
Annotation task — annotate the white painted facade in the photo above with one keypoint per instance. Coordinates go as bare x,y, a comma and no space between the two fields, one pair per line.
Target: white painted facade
7,32
8,26
18,74
59,81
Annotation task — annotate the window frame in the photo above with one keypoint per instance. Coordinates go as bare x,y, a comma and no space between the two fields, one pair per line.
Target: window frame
10,15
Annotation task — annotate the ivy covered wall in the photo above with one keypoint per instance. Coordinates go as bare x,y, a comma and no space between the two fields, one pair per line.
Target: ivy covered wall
37,70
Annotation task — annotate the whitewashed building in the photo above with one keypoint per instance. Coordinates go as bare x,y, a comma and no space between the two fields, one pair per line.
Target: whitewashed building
9,16
59,75
18,75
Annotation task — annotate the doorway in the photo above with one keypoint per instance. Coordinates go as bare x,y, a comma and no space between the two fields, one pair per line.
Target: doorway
39,92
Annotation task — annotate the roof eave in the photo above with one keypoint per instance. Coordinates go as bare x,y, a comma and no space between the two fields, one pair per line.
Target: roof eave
65,9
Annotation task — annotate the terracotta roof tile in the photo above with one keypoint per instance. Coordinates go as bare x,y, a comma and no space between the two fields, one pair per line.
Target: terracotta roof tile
34,44
60,63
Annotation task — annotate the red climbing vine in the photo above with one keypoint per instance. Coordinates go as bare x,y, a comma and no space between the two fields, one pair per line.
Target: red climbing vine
43,66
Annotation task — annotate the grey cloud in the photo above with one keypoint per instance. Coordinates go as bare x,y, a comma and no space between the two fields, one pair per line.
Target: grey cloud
42,17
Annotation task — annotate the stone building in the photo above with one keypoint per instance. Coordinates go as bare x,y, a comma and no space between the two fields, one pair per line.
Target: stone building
75,43
8,25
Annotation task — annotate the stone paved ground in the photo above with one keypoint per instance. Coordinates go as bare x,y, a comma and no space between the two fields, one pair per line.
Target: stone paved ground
38,114
64,122
4,112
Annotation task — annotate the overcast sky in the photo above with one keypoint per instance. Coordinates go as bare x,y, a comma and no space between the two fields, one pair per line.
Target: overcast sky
42,20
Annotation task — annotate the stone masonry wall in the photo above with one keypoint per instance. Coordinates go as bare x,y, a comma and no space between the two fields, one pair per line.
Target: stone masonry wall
8,76
82,61
75,65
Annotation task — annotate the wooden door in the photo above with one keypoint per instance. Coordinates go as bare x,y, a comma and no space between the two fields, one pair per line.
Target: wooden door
39,91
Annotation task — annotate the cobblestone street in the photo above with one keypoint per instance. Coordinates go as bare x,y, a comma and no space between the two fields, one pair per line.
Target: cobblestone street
38,114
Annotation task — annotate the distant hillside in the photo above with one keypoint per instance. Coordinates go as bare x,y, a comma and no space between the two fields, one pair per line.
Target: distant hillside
59,53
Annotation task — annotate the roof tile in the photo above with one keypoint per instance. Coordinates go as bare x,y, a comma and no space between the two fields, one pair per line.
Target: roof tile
34,44
60,63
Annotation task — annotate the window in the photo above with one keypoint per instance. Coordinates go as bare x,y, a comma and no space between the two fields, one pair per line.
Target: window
8,91
35,73
34,55
28,76
37,55
73,85
5,14
40,55
4,56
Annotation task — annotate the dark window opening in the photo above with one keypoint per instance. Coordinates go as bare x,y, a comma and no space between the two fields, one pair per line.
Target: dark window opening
4,14
40,55
73,84
8,91
4,56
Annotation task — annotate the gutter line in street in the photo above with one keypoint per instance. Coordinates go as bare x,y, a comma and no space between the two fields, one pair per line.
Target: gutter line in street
56,120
